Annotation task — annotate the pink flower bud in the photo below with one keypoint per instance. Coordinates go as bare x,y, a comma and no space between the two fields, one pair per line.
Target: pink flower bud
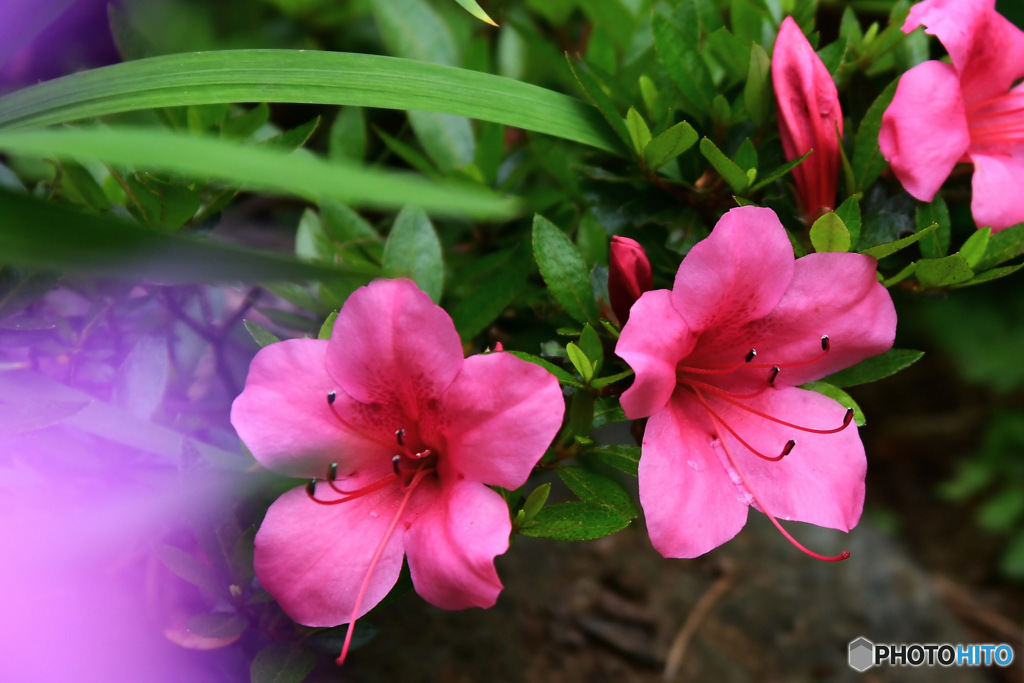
808,109
629,275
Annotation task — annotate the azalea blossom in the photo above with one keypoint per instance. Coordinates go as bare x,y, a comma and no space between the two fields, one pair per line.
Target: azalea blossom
629,275
399,436
718,360
809,118
968,111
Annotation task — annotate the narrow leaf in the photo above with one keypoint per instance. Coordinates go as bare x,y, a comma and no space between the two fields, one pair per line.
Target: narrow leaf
875,368
473,8
726,167
669,144
563,270
883,250
868,162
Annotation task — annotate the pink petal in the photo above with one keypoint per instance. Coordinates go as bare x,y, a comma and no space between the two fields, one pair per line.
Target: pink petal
690,503
834,294
987,49
822,480
392,345
809,113
737,274
924,131
652,343
496,420
313,558
996,185
284,419
452,545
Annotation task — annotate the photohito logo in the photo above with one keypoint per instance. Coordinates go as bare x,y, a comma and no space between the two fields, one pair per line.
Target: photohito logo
864,654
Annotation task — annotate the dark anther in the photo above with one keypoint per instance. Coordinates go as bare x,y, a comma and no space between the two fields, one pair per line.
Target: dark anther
788,448
400,435
332,471
848,418
751,355
394,463
775,373
824,342
311,488
331,395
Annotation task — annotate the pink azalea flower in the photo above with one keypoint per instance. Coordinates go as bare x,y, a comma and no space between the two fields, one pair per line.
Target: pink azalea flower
965,111
629,275
401,436
808,110
718,359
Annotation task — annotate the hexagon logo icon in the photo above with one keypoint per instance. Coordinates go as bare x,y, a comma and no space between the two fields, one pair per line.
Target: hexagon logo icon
862,654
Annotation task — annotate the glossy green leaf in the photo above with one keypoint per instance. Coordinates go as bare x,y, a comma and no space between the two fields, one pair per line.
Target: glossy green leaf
942,272
413,250
639,133
849,213
563,270
591,345
592,487
685,65
868,162
535,501
561,375
839,396
581,412
261,336
306,76
282,662
989,275
595,93
829,233
934,213
669,144
974,248
473,8
777,173
757,93
579,360
255,167
496,289
882,250
623,458
875,368
608,411
328,327
726,167
348,135
1004,245
575,522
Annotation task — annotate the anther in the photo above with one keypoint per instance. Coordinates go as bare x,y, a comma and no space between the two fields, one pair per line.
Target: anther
331,395
400,435
394,464
332,471
824,342
311,488
848,418
751,355
788,448
775,373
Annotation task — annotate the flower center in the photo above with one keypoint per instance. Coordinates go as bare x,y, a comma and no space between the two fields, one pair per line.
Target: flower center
997,121
699,381
409,468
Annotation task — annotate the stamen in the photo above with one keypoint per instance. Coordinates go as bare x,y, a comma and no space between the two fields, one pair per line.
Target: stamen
332,471
356,493
775,373
331,396
751,355
311,488
725,396
837,558
400,436
395,461
825,345
417,478
785,450
788,448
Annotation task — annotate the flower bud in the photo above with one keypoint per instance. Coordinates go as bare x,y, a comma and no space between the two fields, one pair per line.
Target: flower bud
629,275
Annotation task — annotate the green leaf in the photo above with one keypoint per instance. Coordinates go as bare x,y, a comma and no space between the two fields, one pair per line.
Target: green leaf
293,138
730,53
413,250
840,396
591,345
726,167
189,568
868,162
829,233
875,368
328,327
849,212
561,375
777,173
282,663
1004,245
535,501
610,379
497,287
598,489
348,135
581,412
473,8
685,65
579,360
639,133
941,272
595,92
246,123
934,213
608,411
44,235
757,93
882,250
259,335
306,76
563,270
974,248
216,625
669,144
623,458
82,187
253,166
989,275
575,522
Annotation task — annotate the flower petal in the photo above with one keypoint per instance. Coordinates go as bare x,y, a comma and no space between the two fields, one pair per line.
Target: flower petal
924,131
496,420
392,345
452,545
690,503
284,419
652,343
995,200
737,274
313,558
822,480
834,294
